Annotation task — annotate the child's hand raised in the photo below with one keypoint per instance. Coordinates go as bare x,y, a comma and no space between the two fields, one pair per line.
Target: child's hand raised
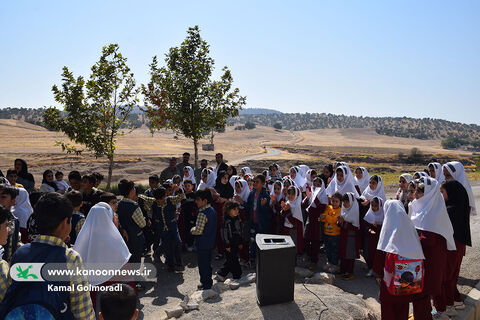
238,199
287,207
340,219
175,187
228,249
263,201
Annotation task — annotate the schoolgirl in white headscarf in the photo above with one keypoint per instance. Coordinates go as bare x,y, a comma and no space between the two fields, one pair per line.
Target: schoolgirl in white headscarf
233,179
210,181
100,242
188,173
363,182
351,214
342,186
456,170
379,190
242,186
419,174
318,193
22,208
309,178
295,225
244,171
437,170
429,212
298,178
375,217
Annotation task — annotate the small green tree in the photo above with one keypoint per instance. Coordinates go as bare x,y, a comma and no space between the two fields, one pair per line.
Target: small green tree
182,97
95,110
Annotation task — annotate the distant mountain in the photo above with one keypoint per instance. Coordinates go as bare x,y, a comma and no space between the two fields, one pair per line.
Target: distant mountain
258,111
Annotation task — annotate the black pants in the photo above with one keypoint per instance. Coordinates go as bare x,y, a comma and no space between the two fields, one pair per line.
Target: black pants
231,264
136,244
205,268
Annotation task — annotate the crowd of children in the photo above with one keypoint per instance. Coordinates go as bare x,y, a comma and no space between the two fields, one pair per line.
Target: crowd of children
340,212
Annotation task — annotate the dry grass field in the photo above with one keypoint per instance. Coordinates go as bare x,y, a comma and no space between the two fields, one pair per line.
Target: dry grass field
141,154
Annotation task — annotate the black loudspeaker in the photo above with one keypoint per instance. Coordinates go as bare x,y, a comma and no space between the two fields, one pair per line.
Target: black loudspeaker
275,264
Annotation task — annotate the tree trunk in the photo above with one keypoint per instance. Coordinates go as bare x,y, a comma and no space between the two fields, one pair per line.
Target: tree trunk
110,169
195,146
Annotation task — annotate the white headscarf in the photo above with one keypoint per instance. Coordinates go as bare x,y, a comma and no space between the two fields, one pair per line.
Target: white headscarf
299,180
351,214
343,187
421,174
191,174
429,213
99,241
407,176
438,171
379,191
246,170
245,190
295,208
308,178
232,180
22,208
303,169
362,183
457,171
280,196
211,177
375,217
398,234
318,193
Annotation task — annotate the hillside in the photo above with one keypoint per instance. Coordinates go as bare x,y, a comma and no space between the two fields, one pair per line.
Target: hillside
454,134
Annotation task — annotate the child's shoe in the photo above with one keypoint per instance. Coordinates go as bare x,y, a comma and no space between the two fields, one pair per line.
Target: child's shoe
459,305
348,276
451,312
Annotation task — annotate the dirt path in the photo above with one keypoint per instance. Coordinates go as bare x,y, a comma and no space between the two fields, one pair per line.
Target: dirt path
269,153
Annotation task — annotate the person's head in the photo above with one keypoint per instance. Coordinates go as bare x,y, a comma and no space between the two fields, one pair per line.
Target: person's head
328,171
238,187
205,175
34,197
53,215
186,173
317,182
231,208
340,175
203,163
273,170
374,182
75,180
88,182
203,197
8,195
402,183
188,186
258,182
47,176
447,174
419,190
443,190
336,200
111,199
4,229
176,179
119,305
219,158
291,193
411,191
417,175
172,163
153,181
127,189
19,164
231,170
375,204
167,185
359,173
346,201
431,170
12,176
186,157
293,173
98,178
160,194
75,198
313,174
223,177
59,175
277,187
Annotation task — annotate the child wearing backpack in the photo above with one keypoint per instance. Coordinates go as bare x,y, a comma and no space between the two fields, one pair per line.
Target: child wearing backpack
4,268
205,231
399,266
78,219
53,218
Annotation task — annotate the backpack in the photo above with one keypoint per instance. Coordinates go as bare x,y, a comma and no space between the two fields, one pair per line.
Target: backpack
32,300
407,277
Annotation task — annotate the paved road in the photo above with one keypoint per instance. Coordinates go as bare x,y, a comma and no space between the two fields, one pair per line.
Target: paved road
270,153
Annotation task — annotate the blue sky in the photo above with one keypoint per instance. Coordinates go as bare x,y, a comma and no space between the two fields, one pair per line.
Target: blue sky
378,58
